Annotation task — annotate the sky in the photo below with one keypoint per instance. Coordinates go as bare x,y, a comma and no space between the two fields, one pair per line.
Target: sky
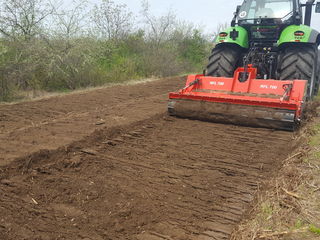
206,13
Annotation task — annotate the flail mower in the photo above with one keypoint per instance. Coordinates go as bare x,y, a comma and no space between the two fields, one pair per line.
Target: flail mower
262,71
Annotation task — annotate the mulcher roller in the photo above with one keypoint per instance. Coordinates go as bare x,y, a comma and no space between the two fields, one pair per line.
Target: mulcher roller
252,116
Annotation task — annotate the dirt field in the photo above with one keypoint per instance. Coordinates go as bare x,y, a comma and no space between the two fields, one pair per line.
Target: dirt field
58,121
109,164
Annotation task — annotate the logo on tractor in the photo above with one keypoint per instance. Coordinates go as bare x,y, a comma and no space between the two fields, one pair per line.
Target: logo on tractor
243,14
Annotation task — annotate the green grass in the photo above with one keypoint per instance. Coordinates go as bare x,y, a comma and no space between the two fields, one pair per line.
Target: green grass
317,155
314,229
315,140
267,209
299,224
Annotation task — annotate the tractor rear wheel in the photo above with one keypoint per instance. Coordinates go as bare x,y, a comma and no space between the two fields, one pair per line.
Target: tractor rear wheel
223,60
317,85
300,62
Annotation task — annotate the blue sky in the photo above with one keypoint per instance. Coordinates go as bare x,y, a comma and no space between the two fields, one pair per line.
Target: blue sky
207,13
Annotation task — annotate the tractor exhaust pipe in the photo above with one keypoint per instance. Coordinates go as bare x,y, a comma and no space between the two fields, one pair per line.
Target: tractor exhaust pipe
308,14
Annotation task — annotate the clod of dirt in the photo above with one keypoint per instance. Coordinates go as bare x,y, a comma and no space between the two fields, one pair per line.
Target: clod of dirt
90,152
67,210
6,182
111,143
74,162
101,123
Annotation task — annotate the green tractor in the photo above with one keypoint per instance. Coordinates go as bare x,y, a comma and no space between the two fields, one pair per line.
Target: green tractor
273,36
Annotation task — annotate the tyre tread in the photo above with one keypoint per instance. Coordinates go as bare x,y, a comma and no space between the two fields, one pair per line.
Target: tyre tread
223,61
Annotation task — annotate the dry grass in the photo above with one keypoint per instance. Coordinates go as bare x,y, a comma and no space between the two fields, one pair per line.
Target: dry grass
290,207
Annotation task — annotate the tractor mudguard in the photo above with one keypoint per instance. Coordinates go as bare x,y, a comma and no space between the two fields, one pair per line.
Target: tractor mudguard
237,35
299,33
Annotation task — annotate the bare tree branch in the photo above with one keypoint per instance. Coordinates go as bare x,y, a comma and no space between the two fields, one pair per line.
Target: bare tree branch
112,20
161,27
22,18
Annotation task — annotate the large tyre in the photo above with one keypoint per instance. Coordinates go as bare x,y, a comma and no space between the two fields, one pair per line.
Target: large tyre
299,62
223,60
317,85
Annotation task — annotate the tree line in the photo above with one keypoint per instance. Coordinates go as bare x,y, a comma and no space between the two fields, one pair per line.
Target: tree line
47,46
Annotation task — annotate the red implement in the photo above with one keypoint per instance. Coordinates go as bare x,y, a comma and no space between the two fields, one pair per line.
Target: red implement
242,100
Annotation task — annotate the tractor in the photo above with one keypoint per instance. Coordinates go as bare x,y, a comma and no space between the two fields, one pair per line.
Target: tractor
262,71
274,37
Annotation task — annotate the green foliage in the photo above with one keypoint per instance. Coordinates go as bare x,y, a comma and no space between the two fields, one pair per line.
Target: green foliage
314,230
65,55
194,49
7,88
299,224
68,64
267,209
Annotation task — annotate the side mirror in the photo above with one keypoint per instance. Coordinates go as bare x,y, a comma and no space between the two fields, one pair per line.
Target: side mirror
238,8
234,20
318,7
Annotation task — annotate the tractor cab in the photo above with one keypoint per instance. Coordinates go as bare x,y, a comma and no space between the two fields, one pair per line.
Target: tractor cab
265,19
276,11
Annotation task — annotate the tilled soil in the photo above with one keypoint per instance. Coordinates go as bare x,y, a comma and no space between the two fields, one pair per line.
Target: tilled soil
146,177
58,121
